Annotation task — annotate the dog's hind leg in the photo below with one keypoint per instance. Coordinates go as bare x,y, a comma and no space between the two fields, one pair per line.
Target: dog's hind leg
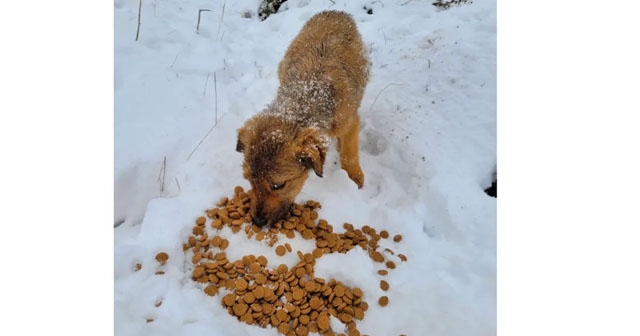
349,155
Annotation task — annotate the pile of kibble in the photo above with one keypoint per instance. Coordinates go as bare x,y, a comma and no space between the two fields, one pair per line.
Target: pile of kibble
293,300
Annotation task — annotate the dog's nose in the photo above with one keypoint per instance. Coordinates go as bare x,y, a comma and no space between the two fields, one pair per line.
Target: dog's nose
259,221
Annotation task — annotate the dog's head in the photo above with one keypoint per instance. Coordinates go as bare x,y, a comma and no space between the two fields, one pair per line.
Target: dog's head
278,156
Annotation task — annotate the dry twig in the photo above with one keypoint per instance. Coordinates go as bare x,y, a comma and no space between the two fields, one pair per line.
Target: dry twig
204,92
139,11
198,25
379,93
221,18
215,88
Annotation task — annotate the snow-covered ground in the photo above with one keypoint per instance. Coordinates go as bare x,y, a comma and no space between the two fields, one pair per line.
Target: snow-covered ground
428,150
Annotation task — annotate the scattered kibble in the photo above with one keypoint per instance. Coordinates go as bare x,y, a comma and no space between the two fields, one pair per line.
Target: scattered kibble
258,294
383,301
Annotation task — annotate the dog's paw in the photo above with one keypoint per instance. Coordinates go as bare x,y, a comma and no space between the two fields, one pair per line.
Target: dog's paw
357,177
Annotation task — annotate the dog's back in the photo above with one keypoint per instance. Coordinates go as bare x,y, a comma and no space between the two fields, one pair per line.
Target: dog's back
328,60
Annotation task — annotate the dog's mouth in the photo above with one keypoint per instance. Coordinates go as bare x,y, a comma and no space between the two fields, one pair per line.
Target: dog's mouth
283,212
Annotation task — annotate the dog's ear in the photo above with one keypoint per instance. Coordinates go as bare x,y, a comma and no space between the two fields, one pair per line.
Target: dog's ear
311,149
240,144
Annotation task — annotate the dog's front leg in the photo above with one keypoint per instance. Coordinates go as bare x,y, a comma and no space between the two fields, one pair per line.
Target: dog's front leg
349,153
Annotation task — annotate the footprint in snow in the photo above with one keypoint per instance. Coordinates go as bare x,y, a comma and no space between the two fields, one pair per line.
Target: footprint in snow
374,142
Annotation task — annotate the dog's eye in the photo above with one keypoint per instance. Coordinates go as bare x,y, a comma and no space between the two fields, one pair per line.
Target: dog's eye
278,186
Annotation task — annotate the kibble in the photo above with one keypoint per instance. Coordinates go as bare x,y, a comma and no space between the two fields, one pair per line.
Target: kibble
384,285
255,291
383,301
162,257
211,290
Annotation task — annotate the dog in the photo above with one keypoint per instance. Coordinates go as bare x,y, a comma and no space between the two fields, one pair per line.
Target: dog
322,77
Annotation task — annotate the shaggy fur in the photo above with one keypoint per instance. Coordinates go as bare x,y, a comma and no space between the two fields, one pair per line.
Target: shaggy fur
322,79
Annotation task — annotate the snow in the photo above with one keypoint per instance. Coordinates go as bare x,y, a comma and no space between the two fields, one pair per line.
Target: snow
428,150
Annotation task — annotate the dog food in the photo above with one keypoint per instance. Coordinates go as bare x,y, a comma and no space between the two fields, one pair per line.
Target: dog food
383,301
384,285
292,300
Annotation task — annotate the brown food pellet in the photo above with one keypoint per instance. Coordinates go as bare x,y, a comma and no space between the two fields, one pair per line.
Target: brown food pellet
282,269
196,257
297,294
383,301
384,285
302,331
323,322
377,256
384,234
198,230
310,286
358,313
256,307
247,318
201,220
308,257
254,267
198,271
216,241
281,250
317,253
241,284
315,303
237,190
345,318
211,290
162,257
261,279
402,257
383,272
364,306
283,328
304,319
224,244
240,309
229,300
390,264
249,298
397,238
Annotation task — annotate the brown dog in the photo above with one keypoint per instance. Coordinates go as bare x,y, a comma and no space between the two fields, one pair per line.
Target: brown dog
322,79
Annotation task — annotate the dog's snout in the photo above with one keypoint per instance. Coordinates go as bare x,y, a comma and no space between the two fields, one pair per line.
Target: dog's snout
259,221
